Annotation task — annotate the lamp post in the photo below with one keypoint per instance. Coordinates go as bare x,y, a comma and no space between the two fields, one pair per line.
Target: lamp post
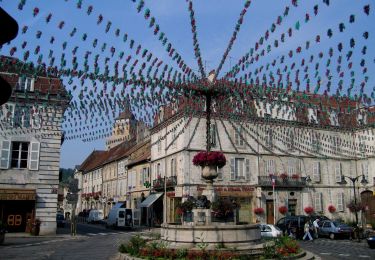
354,180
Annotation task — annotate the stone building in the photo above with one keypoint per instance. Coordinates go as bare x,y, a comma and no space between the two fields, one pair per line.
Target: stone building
30,141
309,150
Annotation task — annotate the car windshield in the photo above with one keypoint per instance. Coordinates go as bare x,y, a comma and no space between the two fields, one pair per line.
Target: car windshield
277,228
339,224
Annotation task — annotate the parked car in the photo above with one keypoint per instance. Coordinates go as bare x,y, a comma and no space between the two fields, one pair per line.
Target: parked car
371,242
294,223
334,229
268,230
60,220
95,216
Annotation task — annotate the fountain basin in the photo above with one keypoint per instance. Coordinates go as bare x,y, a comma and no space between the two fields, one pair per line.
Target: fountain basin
215,235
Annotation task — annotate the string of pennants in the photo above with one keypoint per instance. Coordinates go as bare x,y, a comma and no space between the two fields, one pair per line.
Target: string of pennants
101,80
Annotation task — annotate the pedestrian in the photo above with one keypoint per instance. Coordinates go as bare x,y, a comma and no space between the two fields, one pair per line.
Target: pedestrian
307,232
316,227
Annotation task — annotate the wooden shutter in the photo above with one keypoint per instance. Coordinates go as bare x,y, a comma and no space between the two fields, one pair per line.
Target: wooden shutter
318,202
5,154
338,176
316,172
247,169
340,201
232,168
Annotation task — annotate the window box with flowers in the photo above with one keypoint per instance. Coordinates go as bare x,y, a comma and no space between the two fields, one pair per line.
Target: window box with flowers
209,161
295,176
284,176
283,210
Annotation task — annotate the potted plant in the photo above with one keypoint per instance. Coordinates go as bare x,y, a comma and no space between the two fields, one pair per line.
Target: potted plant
331,209
258,211
355,207
209,161
2,231
283,210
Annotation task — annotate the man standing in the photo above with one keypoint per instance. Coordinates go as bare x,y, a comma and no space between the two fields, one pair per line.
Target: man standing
307,231
316,227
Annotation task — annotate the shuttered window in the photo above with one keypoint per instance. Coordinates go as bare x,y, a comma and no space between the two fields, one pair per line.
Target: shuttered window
340,201
318,202
247,169
316,172
269,167
238,136
338,172
232,168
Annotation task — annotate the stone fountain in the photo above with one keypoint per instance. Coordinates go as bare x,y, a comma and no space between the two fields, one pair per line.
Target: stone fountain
203,229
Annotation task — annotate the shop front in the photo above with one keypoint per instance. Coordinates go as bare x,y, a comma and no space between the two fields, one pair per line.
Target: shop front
17,207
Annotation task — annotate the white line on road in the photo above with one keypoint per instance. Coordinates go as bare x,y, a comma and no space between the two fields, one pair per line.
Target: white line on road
103,234
91,234
326,253
344,255
364,256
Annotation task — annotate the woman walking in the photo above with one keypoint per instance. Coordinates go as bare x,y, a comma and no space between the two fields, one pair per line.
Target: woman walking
307,232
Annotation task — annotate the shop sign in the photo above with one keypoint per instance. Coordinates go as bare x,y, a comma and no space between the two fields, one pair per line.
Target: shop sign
171,194
17,195
236,191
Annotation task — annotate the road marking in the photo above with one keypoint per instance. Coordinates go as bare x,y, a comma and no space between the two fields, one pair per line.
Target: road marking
344,255
91,234
103,234
364,256
326,253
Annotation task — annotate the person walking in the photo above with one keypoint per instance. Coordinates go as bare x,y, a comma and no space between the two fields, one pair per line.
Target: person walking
316,227
307,232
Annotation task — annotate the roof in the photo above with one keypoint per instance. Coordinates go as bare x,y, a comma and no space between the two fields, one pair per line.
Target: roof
93,161
119,151
140,153
44,83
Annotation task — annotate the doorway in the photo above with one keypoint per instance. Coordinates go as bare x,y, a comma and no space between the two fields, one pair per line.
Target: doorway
269,212
292,205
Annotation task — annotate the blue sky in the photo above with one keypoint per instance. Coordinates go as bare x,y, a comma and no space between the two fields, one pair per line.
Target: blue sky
216,20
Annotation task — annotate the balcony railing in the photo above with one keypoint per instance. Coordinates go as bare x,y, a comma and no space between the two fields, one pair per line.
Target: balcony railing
288,182
158,184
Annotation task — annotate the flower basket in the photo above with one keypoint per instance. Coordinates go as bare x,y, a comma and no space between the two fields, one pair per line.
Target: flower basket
210,159
283,210
295,176
258,211
355,207
331,209
309,210
284,176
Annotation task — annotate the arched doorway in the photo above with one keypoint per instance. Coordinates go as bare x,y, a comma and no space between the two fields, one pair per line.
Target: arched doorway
368,200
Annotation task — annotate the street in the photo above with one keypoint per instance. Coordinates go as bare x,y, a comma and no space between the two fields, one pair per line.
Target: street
338,249
92,242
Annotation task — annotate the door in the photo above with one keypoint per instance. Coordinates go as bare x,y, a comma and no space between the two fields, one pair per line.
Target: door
368,199
121,218
269,211
292,204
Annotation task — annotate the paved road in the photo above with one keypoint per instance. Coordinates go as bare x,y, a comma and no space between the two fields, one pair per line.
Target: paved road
339,249
92,242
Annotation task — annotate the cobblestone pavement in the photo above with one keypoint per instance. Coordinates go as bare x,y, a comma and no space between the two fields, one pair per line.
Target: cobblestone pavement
339,249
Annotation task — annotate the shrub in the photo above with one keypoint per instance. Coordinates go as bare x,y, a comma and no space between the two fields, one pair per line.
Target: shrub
133,246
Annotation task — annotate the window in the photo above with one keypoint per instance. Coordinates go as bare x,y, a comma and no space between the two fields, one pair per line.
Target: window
173,167
219,173
21,116
340,201
338,172
20,151
159,144
268,138
25,84
270,167
365,170
290,142
36,118
316,171
238,136
336,144
315,144
291,167
318,201
240,169
174,141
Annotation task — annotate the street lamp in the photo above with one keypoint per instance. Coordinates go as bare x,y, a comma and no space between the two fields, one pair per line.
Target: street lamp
354,180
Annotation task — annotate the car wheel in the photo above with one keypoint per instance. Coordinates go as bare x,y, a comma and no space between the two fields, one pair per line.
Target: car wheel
332,236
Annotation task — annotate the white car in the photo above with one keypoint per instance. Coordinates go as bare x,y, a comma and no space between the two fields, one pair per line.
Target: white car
268,230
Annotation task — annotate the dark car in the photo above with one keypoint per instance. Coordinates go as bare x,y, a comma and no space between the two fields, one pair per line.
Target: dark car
334,229
60,220
294,224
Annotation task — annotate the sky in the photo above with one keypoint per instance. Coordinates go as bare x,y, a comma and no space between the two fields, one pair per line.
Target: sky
215,22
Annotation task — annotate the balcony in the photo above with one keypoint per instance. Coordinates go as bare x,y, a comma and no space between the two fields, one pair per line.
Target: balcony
286,182
158,184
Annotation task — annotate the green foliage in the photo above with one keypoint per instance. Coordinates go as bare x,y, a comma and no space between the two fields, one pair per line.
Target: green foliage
281,247
133,246
66,174
181,253
155,235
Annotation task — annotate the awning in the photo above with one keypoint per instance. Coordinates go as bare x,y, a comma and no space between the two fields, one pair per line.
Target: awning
17,194
118,205
150,200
